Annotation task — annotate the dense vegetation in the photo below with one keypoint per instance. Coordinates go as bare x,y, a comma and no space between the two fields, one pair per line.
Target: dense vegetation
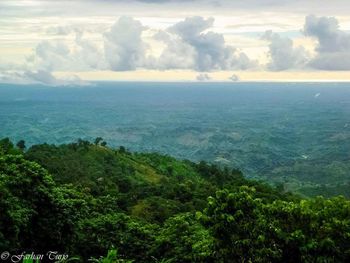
276,132
85,199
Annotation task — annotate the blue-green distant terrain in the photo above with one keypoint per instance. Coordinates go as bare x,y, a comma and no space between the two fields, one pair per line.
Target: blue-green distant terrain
297,134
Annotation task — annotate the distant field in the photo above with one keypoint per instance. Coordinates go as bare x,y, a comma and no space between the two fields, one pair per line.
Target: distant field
293,133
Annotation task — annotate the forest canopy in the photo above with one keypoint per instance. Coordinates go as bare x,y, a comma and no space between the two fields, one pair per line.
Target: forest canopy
86,199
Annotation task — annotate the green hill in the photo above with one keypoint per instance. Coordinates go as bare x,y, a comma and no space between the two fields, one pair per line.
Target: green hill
85,198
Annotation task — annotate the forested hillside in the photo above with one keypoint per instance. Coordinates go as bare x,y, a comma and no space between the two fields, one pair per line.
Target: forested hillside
276,132
85,199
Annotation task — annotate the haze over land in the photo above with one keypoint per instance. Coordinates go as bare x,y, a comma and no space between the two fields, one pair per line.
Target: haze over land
291,133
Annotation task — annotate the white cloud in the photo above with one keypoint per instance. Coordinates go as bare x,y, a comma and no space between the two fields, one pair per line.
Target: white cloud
88,55
203,77
176,55
190,39
52,55
234,78
192,44
59,30
282,53
333,49
40,77
124,48
64,55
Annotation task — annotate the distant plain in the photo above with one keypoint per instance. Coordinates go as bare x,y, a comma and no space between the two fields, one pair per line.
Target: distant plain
297,134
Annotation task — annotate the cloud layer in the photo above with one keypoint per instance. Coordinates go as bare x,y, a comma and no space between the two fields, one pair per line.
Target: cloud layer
192,43
188,44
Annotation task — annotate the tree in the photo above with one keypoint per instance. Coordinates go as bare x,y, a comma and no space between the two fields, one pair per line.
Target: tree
100,199
34,212
7,147
21,145
99,233
240,230
245,228
122,149
184,239
98,140
170,170
112,257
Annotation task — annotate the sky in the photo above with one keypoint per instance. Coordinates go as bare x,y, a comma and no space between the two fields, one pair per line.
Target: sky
77,41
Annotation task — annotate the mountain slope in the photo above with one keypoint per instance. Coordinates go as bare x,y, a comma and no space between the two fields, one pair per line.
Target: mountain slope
84,199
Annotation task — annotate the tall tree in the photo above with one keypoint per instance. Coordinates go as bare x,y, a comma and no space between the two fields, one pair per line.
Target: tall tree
21,144
98,140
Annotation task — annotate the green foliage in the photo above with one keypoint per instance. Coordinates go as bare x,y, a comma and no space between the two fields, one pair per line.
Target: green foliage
239,229
272,131
184,239
98,140
88,200
34,211
24,187
100,232
30,260
149,186
316,230
112,257
7,147
21,145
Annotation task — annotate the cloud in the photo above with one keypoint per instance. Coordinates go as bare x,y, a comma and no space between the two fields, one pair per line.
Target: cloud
234,78
87,54
47,78
283,55
333,49
11,77
59,30
51,55
40,77
124,48
189,44
61,55
203,77
331,61
192,46
163,1
192,27
326,31
177,53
